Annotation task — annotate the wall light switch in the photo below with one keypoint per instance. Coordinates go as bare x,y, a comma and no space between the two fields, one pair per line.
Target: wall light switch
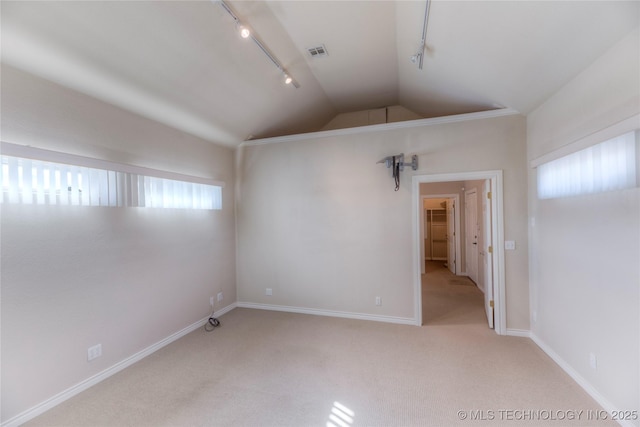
509,245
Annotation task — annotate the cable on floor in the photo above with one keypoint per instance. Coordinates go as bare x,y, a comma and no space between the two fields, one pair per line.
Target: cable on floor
212,323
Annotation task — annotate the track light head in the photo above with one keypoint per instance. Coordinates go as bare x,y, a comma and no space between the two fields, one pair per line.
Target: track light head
244,31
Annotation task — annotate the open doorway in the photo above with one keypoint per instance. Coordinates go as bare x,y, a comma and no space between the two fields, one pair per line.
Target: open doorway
440,237
484,224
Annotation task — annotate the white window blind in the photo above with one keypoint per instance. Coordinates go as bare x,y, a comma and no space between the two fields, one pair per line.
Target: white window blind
609,165
29,181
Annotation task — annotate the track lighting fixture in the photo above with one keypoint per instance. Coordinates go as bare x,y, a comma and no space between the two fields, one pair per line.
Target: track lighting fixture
246,33
418,58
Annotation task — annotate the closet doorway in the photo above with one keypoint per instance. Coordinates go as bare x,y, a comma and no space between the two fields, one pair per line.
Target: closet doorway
440,221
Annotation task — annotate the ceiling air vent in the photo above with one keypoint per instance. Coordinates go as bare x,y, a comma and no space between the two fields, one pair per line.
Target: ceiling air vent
317,51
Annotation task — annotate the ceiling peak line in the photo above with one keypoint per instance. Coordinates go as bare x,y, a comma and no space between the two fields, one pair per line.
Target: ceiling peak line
245,33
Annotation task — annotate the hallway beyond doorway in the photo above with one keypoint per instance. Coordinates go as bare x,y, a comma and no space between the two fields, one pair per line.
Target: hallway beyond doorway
448,299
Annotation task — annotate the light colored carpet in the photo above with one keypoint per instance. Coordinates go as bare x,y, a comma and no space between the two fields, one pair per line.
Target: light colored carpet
266,368
444,302
461,281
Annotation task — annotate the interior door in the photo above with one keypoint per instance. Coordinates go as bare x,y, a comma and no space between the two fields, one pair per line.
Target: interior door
488,250
426,235
471,233
451,235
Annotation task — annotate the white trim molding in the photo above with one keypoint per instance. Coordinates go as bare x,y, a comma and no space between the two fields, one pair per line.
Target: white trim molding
385,126
524,333
28,152
328,313
497,237
582,382
627,125
53,401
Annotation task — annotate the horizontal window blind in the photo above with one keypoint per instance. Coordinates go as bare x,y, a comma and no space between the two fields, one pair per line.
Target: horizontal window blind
31,181
609,165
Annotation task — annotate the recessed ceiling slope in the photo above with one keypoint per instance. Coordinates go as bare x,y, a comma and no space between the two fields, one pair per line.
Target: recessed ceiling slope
513,54
183,64
180,63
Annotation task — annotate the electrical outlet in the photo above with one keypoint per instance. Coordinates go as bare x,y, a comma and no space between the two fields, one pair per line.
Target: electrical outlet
534,316
211,301
378,301
94,352
219,296
268,292
509,245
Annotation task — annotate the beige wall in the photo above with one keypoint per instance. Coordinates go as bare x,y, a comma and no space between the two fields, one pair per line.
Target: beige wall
320,223
434,203
75,276
585,282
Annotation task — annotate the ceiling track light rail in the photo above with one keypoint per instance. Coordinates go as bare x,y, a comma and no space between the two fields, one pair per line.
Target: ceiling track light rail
419,56
246,33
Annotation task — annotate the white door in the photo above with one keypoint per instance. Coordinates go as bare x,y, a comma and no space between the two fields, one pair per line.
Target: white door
471,233
426,247
451,235
488,250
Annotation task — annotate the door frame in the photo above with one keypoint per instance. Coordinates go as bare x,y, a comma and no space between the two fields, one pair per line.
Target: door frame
488,256
497,233
456,223
467,256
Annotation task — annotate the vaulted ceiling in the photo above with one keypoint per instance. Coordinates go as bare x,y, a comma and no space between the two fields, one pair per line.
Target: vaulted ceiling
182,62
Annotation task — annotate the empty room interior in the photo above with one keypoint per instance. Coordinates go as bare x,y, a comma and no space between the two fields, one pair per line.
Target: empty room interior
353,213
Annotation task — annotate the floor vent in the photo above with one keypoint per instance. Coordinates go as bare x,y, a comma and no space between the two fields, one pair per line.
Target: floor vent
317,51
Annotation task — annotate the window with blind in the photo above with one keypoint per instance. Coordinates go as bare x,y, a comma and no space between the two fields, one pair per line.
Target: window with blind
607,166
29,181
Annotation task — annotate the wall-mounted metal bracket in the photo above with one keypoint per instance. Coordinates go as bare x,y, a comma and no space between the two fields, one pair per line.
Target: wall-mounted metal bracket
399,160
397,164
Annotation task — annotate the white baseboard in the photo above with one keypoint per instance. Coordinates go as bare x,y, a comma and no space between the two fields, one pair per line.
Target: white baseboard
582,382
42,407
330,313
76,389
224,310
519,333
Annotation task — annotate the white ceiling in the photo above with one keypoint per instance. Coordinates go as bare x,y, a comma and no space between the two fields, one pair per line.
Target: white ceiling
182,63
